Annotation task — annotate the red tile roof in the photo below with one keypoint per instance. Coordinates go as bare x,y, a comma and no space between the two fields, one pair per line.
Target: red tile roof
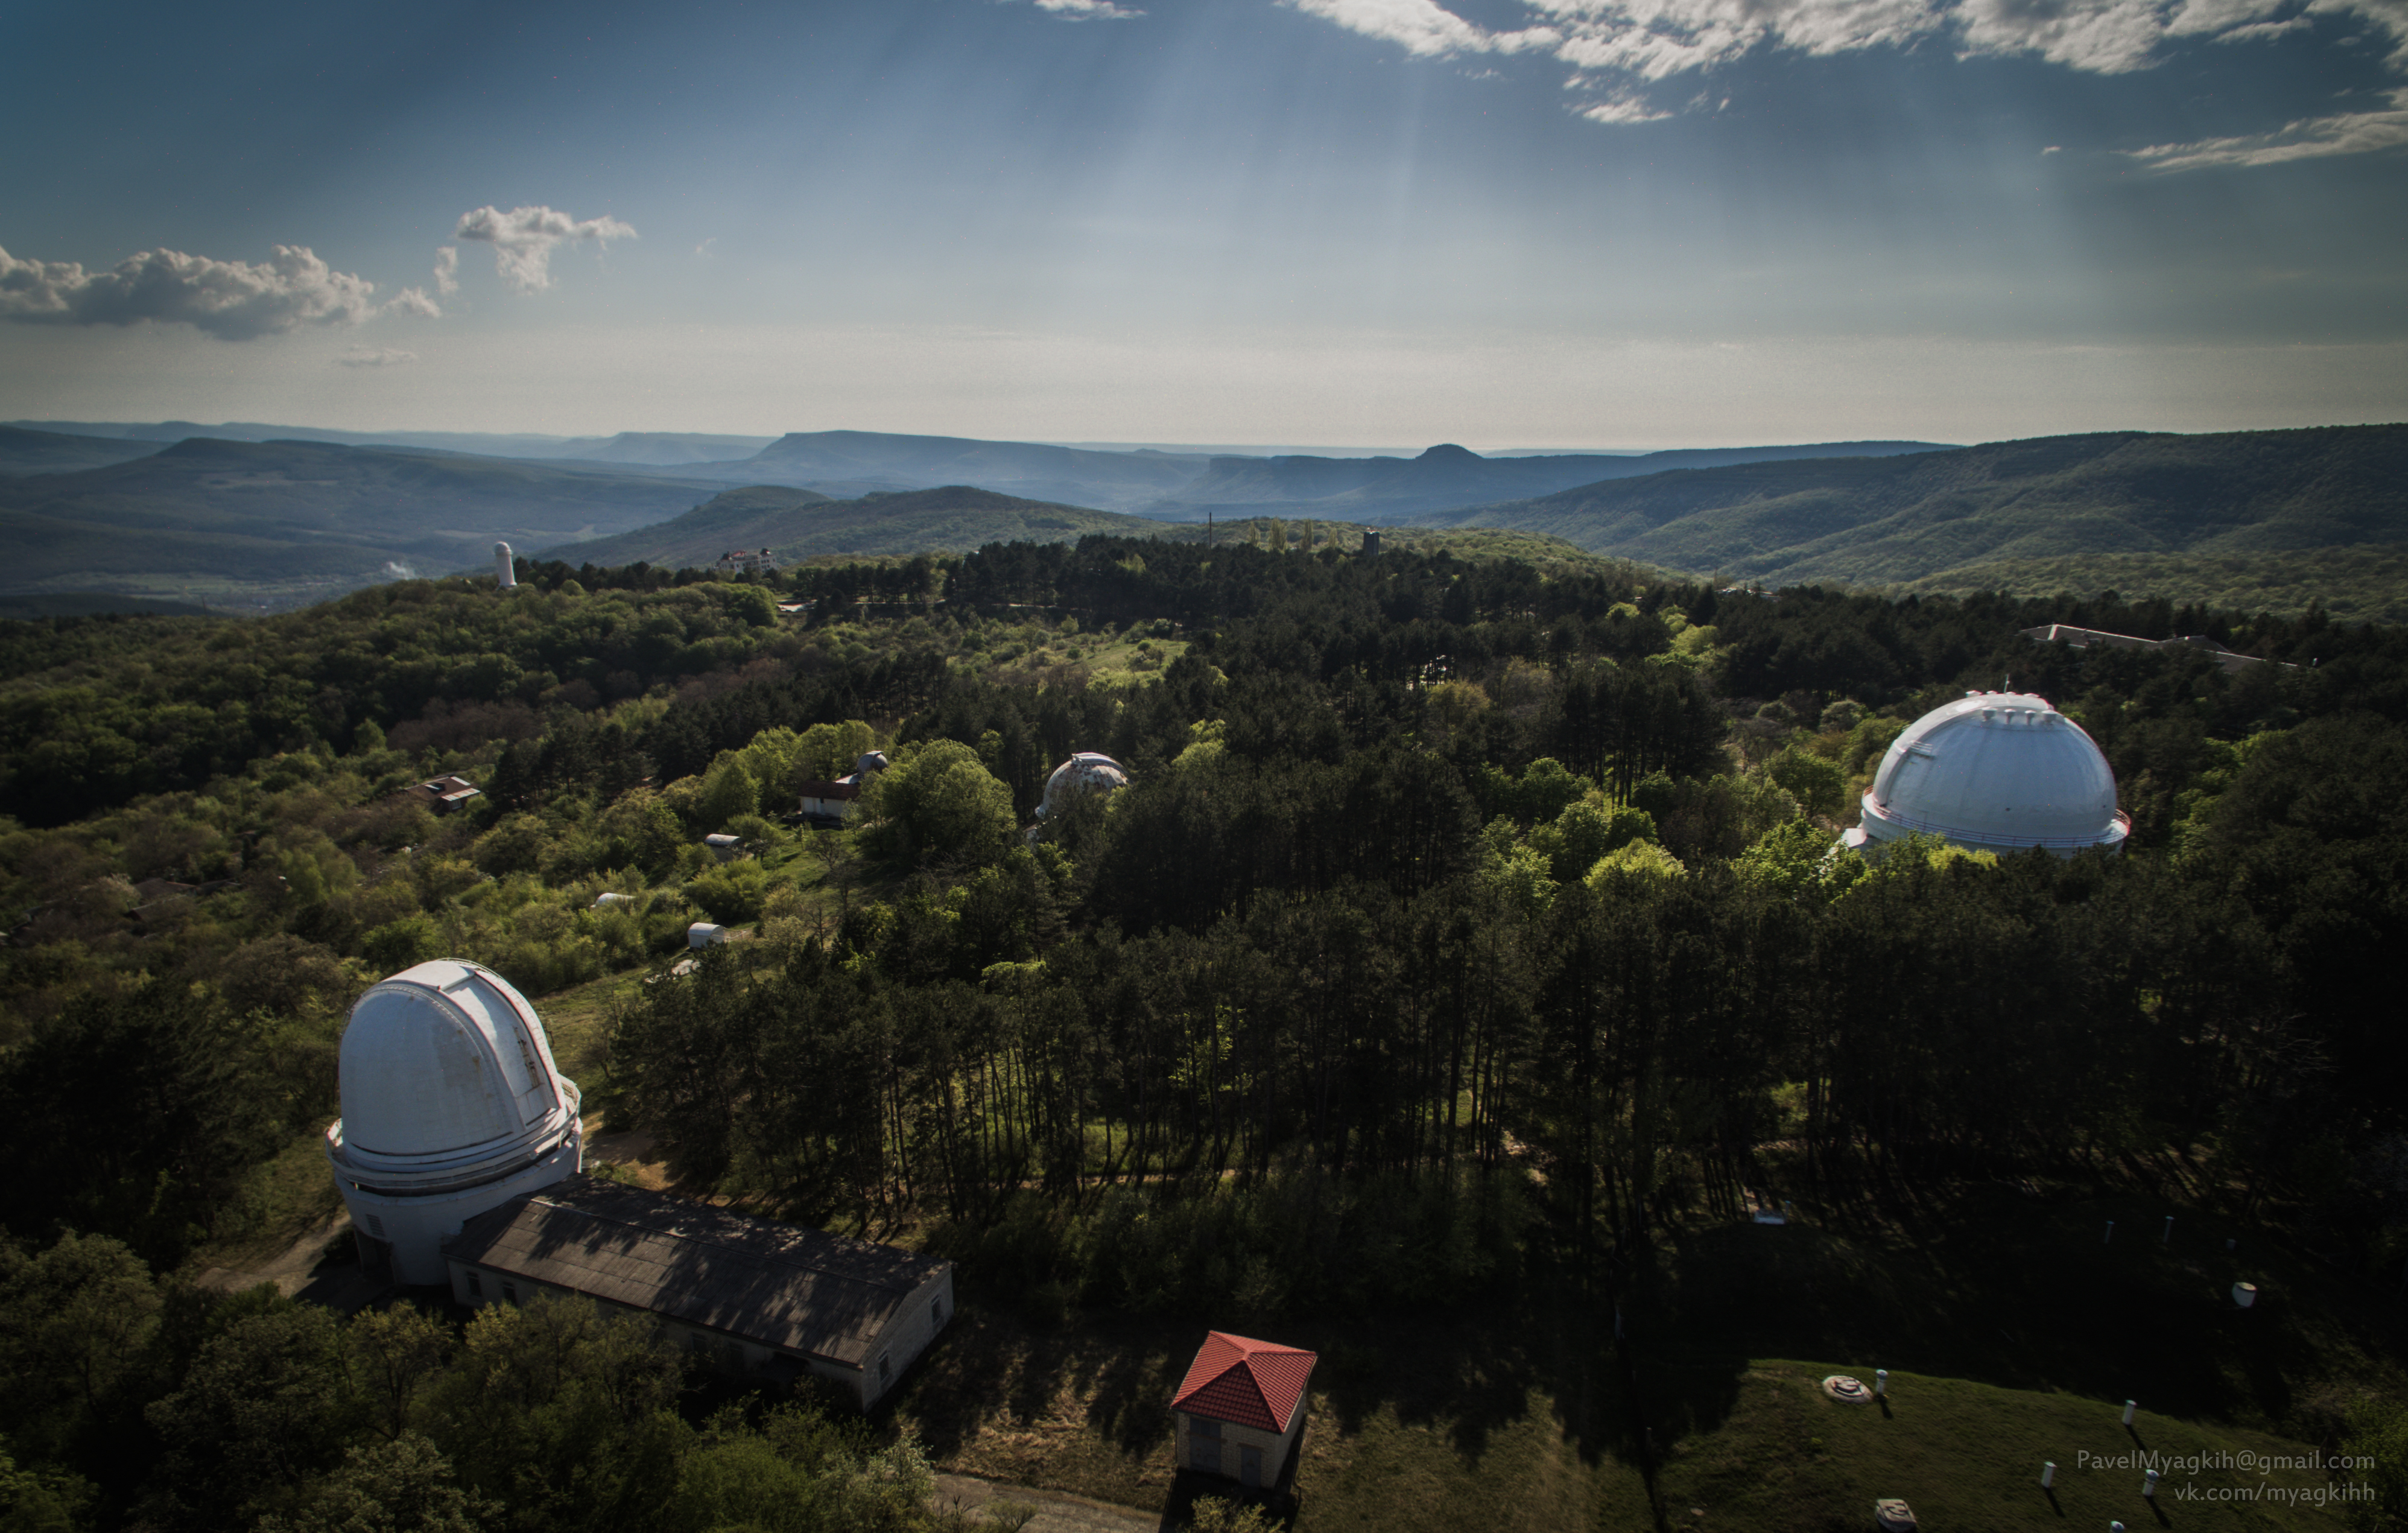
1245,1382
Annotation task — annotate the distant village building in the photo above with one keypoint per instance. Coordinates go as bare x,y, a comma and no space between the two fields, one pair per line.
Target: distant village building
829,801
2084,638
1241,1410
747,562
705,934
443,794
724,847
747,1295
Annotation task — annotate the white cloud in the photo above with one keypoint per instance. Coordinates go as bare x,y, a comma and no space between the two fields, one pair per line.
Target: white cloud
447,269
523,240
414,303
2100,36
375,357
1613,44
1424,27
2310,139
1622,109
233,300
1087,10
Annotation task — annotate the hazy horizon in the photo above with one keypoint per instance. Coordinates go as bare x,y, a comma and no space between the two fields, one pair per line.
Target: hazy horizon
1490,221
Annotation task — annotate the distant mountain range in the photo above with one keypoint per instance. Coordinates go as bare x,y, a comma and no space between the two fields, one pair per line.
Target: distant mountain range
219,519
1876,520
642,448
1170,486
209,515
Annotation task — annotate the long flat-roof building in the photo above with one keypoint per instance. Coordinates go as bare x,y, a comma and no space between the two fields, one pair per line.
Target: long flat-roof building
750,1296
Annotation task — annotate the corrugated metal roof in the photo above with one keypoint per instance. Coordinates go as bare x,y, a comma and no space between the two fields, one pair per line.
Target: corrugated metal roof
800,1290
1244,1382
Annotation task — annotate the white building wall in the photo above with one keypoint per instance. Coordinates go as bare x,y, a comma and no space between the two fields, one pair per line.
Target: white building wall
414,1228
1275,1447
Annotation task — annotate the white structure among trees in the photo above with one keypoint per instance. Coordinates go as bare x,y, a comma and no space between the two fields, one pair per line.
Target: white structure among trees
452,1106
1994,771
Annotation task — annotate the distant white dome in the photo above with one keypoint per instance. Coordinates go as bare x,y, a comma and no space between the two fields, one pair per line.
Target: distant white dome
451,1104
1084,773
1995,772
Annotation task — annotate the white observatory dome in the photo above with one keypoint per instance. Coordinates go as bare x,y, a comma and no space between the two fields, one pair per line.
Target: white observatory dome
1087,772
1995,772
452,1105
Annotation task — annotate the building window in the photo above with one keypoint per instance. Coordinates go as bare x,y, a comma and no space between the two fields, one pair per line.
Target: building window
376,1226
510,1293
475,1286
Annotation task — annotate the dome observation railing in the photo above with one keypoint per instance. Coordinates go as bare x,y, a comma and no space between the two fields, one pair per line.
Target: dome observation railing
2044,843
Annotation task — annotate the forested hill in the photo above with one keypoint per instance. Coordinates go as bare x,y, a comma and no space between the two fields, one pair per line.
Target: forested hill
798,524
1468,947
213,516
1877,521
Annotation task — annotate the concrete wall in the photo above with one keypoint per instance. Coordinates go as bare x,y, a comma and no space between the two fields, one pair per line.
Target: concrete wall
414,1227
919,1322
1275,1447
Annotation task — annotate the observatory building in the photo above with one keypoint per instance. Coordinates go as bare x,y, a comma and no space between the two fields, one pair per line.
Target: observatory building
452,1106
1994,771
504,575
1088,773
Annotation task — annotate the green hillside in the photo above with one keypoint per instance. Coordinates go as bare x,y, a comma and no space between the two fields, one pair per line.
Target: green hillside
798,524
2361,583
56,453
1872,521
233,521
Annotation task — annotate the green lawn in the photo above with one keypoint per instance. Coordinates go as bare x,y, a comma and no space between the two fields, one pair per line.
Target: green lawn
1968,1455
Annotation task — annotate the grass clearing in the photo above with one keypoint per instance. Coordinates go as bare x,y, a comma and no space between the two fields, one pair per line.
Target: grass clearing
1968,1455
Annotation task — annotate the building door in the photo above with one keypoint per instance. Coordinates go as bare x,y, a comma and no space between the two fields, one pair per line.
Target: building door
1204,1445
1250,1466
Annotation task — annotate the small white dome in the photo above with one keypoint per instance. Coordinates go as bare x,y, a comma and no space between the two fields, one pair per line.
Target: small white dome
1084,773
447,1075
1996,771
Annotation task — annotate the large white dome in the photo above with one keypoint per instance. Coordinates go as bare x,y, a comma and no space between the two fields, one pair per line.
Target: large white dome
452,1105
1995,772
446,1074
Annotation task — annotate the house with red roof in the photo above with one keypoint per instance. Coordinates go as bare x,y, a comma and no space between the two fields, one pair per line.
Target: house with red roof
1241,1409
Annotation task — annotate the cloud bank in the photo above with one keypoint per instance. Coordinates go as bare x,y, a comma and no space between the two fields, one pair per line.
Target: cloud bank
375,357
233,300
2310,139
447,269
1613,46
1087,10
524,239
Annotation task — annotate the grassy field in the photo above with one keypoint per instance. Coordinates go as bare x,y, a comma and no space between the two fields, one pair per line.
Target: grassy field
1968,1455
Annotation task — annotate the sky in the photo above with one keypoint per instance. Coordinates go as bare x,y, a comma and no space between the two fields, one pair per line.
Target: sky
1506,223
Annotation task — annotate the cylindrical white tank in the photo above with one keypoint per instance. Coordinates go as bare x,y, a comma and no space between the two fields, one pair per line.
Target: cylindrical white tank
504,575
452,1106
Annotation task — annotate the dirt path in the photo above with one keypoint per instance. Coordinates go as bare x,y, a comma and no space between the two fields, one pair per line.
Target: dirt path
1053,1511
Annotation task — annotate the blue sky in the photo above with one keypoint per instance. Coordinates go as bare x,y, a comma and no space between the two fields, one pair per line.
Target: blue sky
1504,222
